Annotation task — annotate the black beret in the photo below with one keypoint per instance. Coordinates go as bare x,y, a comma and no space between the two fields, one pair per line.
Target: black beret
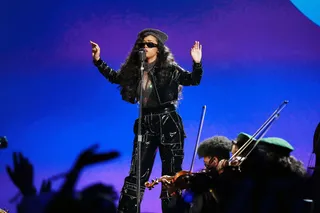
161,36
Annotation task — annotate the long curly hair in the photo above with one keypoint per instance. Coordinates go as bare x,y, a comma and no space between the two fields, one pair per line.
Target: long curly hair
276,161
130,70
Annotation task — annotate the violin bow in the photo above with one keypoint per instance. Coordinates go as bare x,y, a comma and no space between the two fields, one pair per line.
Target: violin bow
261,132
204,109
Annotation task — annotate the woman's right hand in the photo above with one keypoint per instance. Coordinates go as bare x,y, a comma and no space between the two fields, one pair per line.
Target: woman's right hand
95,51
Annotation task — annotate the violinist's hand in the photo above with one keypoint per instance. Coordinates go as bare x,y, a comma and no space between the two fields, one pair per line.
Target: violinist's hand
95,51
168,184
235,162
166,180
222,163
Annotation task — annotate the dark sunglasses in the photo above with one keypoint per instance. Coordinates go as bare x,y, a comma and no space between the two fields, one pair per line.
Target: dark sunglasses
149,44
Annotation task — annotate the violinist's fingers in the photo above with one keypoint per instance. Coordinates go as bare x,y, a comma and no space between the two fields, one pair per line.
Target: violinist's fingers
220,165
235,162
170,178
163,180
168,186
167,182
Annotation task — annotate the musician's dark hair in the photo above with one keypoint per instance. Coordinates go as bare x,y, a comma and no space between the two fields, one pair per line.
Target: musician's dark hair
130,70
216,146
294,165
277,160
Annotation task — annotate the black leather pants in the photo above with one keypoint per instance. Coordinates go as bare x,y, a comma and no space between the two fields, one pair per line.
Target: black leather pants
162,130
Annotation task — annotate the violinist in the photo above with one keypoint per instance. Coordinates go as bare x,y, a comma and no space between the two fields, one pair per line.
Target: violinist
237,143
212,150
223,188
199,198
280,181
271,179
234,186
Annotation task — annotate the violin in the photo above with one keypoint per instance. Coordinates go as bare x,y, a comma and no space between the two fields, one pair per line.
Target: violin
176,181
180,181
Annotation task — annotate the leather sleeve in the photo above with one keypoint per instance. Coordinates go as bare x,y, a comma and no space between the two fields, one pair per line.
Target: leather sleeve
109,73
187,78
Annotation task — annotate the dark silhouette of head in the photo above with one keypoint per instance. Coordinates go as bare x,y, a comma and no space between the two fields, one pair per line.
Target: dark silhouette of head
214,149
98,198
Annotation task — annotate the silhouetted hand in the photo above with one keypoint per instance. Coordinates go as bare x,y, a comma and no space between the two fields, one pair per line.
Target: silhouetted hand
22,174
45,186
89,157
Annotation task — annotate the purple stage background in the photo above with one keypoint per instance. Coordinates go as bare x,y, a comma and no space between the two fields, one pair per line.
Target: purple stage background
55,103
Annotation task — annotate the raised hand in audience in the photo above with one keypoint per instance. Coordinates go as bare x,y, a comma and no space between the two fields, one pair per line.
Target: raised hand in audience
90,157
22,174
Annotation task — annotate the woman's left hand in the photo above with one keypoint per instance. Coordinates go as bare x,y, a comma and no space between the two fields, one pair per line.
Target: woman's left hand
196,52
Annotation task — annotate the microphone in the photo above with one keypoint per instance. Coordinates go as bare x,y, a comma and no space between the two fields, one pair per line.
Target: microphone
142,54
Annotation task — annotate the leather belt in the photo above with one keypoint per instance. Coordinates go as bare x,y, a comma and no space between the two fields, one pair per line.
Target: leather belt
158,110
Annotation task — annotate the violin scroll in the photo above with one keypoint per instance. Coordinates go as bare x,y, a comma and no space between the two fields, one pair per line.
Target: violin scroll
150,185
169,181
164,179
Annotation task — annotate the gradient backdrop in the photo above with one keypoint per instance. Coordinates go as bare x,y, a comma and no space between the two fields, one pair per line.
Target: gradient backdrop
54,102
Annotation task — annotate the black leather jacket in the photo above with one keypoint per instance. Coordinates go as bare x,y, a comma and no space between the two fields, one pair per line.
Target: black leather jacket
167,93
